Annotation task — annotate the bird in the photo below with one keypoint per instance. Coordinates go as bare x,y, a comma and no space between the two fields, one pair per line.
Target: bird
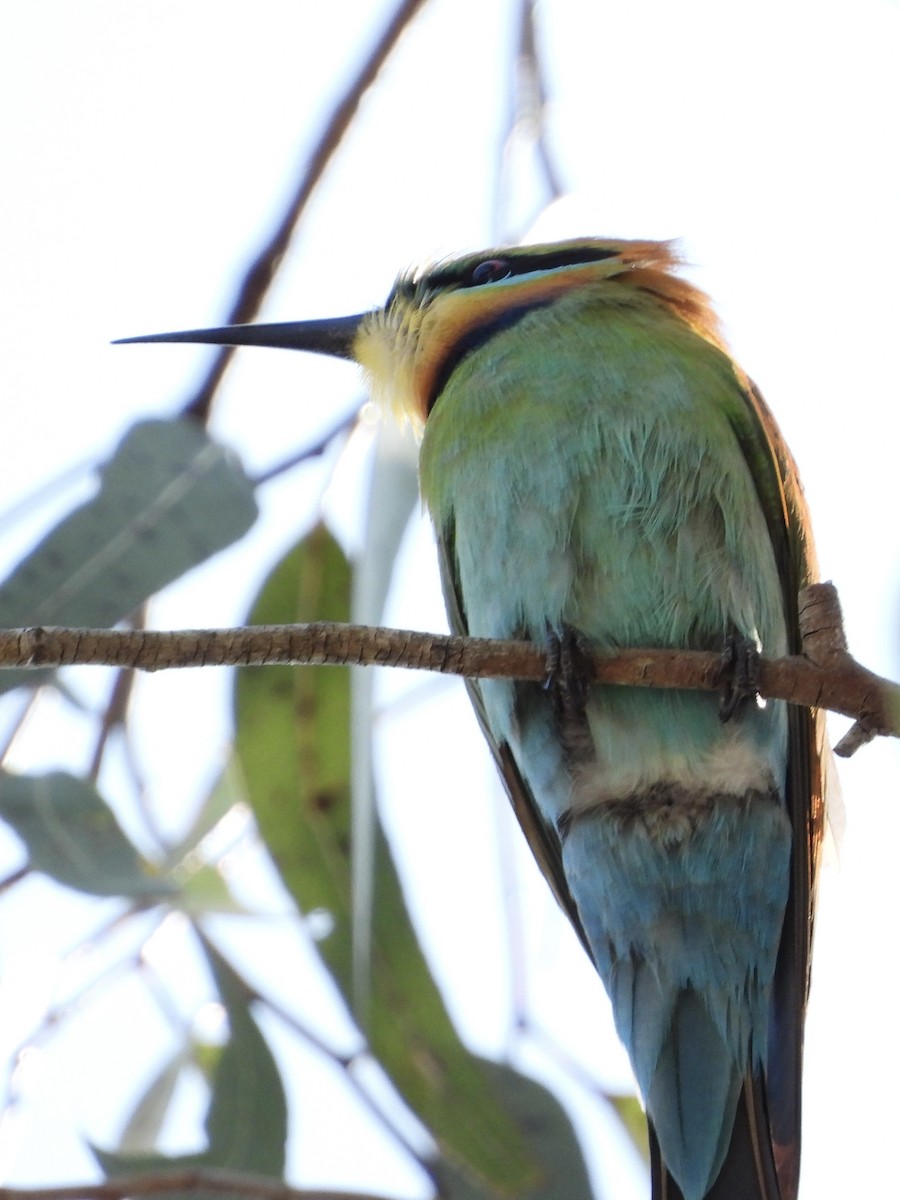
601,474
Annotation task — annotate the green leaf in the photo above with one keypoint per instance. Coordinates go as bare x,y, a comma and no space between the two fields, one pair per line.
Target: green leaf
168,499
148,1116
72,835
247,1120
551,1140
203,892
392,496
634,1121
225,794
246,1123
200,885
294,744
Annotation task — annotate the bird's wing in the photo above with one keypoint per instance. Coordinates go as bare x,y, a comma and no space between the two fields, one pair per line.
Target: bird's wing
775,475
542,840
763,1159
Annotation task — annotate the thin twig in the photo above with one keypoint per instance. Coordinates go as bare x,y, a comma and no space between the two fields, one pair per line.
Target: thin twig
524,126
53,1019
345,1061
534,102
116,710
15,877
262,271
572,1066
19,724
345,425
840,684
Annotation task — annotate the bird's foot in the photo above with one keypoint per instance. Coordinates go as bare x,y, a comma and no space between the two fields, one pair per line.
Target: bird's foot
570,672
739,676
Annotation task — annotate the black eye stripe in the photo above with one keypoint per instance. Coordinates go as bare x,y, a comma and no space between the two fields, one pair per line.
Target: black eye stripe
475,272
488,270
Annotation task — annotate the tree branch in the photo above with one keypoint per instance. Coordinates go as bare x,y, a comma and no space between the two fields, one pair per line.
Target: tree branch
824,676
262,270
190,1180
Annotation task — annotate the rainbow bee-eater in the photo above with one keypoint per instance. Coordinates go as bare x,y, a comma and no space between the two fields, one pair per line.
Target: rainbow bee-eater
601,474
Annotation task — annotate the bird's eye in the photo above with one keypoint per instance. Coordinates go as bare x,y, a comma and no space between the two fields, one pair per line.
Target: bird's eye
490,271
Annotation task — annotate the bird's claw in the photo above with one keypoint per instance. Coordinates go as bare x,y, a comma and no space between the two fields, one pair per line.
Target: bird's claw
570,672
739,675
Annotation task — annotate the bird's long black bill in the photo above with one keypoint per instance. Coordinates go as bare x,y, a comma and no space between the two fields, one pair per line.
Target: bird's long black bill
334,336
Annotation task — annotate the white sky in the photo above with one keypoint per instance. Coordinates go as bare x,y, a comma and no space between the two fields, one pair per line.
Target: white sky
147,147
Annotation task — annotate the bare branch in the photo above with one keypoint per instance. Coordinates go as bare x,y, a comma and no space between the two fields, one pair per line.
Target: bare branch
187,1180
262,270
345,425
533,86
825,676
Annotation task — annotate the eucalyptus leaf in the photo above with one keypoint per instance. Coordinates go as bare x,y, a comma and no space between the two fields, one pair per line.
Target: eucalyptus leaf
205,891
225,794
551,1140
143,1127
246,1122
169,497
293,740
72,835
628,1109
392,496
